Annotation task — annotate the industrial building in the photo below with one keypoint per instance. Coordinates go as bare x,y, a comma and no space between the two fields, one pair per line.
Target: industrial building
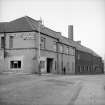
26,46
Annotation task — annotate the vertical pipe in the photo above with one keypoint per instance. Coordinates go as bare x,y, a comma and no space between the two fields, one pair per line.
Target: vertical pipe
62,61
57,58
39,69
4,44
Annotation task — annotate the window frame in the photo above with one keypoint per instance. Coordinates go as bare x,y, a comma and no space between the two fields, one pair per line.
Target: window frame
11,42
67,49
61,48
55,45
12,64
42,42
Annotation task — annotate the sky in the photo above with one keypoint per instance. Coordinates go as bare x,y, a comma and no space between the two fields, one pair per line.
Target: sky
87,17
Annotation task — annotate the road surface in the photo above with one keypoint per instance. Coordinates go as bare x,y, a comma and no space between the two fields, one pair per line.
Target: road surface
52,90
92,92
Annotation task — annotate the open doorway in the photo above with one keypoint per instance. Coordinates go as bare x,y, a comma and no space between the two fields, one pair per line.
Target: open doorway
49,65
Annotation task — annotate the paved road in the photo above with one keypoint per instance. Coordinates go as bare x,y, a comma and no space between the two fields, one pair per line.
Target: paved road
52,90
92,92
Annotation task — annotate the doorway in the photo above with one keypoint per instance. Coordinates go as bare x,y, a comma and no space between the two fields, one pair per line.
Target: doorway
49,65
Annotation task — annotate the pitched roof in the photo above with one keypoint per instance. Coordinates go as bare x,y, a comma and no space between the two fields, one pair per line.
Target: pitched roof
28,24
18,25
63,40
76,45
2,26
83,48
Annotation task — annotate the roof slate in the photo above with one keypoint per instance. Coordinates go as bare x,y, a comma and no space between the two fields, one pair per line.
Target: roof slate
2,26
28,24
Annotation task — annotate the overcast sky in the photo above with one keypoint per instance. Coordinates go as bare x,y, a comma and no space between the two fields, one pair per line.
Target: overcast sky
87,16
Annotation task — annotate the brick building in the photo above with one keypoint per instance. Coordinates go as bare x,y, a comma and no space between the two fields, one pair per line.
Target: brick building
19,48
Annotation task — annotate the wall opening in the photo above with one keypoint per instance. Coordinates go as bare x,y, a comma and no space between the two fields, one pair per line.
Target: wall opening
49,65
2,42
15,64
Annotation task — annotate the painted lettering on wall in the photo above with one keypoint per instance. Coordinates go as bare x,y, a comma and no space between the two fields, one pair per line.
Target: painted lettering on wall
24,35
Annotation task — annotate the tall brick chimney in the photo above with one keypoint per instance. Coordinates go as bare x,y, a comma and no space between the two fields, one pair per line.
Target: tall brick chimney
70,32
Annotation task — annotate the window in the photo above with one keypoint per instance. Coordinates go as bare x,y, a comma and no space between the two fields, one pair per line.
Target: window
67,50
42,42
11,42
55,65
15,64
87,68
83,68
54,46
79,69
78,57
2,42
42,64
71,51
61,48
99,59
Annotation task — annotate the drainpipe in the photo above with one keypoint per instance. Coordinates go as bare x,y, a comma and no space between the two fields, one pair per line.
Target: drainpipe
39,69
57,58
4,42
62,56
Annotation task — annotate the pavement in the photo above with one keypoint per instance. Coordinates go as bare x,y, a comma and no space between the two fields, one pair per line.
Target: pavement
52,89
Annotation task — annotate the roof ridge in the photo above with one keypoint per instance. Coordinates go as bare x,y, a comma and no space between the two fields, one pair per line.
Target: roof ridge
28,21
17,19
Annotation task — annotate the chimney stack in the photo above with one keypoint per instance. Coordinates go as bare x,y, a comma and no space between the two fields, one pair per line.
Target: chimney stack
79,42
70,32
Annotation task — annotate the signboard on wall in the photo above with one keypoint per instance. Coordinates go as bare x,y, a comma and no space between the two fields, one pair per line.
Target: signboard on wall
24,35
